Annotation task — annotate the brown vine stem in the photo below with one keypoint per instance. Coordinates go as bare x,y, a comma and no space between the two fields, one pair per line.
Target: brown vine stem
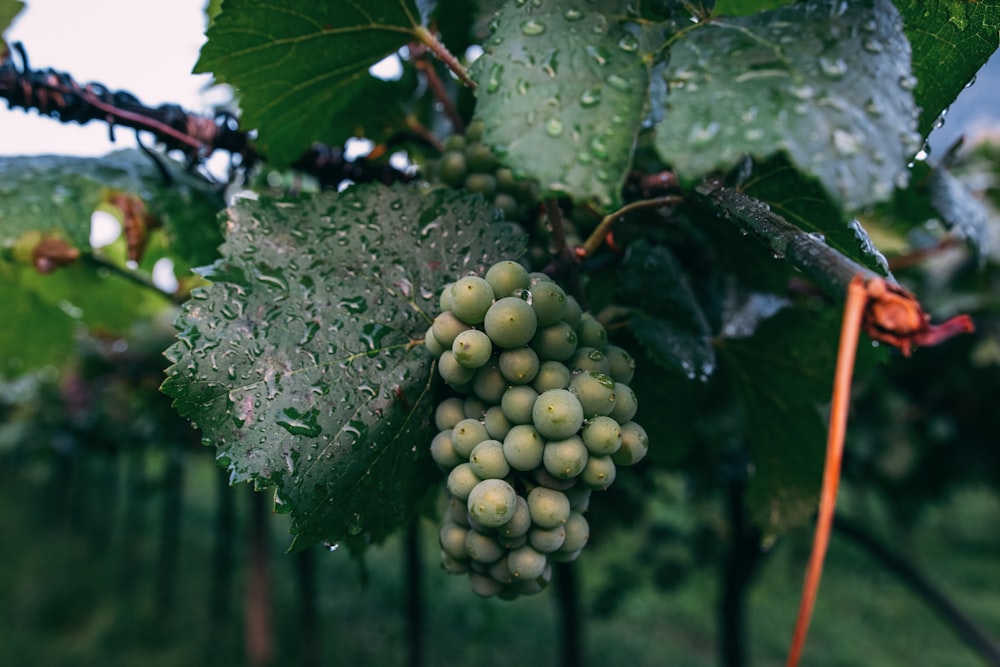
434,82
131,276
443,54
597,236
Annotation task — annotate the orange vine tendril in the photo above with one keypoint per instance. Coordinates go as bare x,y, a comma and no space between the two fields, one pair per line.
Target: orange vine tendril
889,314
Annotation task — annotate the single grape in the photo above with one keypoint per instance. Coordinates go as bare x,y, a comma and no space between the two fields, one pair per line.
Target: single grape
452,565
517,404
595,391
557,414
546,540
579,498
519,524
622,363
556,342
589,359
550,481
573,313
474,131
500,572
510,322
458,512
565,458
461,481
512,542
549,508
455,142
471,297
480,158
484,586
445,299
453,168
526,563
448,413
432,344
519,365
487,460
523,447
602,436
489,383
635,445
453,372
492,502
591,332
474,407
549,302
466,435
551,375
482,183
452,540
446,327
507,204
472,348
443,451
565,556
599,472
577,532
496,423
506,278
626,405
482,548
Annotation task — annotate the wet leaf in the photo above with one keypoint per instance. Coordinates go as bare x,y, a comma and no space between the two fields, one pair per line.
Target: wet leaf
562,91
827,85
666,316
302,362
745,7
951,40
959,209
310,64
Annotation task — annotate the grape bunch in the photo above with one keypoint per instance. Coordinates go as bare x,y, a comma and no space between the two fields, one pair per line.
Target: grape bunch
542,418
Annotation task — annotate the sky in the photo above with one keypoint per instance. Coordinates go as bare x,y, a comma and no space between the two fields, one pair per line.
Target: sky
149,47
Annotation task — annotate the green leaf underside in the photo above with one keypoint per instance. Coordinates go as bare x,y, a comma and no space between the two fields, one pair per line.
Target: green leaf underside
960,209
302,361
562,91
951,40
37,333
668,320
58,194
809,80
299,64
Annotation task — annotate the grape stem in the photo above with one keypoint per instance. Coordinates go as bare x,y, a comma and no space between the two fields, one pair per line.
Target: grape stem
443,54
434,82
603,229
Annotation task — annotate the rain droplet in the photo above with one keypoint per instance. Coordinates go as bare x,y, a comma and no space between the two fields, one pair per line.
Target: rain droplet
572,15
872,45
802,92
701,135
493,82
628,43
907,82
599,148
553,127
300,423
619,83
532,27
591,97
845,143
599,54
834,68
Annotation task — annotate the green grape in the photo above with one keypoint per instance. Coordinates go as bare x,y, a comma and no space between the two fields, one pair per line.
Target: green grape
595,391
602,436
565,458
448,413
432,344
549,302
550,481
599,473
557,414
453,372
635,444
466,435
579,498
546,540
492,502
461,481
506,181
512,542
589,359
474,131
452,565
474,407
484,586
506,278
523,447
482,548
526,563
565,556
519,524
458,512
480,158
471,297
573,313
517,404
551,375
446,327
510,322
496,422
555,342
443,451
453,168
508,206
577,533
626,405
487,460
591,332
489,383
472,348
519,365
536,585
451,537
539,277
455,142
549,508
499,571
482,183
444,300
622,363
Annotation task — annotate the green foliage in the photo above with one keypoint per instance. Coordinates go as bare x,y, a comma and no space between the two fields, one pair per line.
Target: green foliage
301,79
302,360
744,7
9,9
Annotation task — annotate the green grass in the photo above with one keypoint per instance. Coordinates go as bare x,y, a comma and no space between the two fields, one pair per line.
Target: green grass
77,588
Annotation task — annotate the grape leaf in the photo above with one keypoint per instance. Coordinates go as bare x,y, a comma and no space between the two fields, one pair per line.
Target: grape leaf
745,7
302,362
9,9
36,333
950,40
666,317
55,193
562,91
829,87
959,209
299,64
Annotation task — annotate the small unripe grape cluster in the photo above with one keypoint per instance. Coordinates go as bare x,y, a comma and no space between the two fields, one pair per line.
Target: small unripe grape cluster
542,418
